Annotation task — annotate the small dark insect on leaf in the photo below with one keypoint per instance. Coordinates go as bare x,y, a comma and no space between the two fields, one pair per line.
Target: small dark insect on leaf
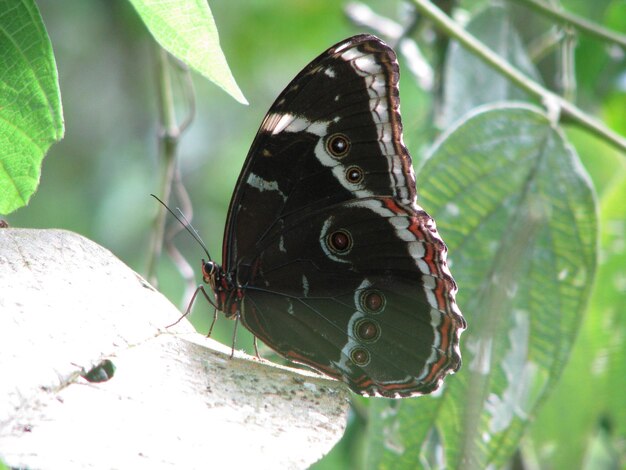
100,373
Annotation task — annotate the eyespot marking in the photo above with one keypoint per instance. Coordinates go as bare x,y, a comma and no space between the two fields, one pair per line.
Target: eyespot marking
354,174
339,242
367,330
360,356
372,301
338,145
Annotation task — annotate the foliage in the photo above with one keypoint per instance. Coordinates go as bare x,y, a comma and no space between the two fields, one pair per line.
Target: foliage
198,45
30,102
530,205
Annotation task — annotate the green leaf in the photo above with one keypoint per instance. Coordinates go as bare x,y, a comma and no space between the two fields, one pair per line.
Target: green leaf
31,117
186,29
591,395
518,214
469,82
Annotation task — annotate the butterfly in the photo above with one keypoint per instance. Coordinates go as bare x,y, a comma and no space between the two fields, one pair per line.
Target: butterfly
327,258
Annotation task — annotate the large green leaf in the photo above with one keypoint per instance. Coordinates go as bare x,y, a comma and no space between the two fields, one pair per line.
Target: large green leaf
31,117
186,29
518,213
591,395
469,82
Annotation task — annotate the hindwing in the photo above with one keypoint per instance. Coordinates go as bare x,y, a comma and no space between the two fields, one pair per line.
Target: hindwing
360,290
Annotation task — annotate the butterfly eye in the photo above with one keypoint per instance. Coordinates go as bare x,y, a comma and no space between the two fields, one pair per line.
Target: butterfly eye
354,174
208,270
360,356
338,145
339,242
367,330
372,301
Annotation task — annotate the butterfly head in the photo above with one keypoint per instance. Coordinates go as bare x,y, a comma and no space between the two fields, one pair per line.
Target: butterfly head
209,269
213,274
227,295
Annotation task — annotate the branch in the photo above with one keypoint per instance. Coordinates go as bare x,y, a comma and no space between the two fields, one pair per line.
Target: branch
567,111
169,138
581,24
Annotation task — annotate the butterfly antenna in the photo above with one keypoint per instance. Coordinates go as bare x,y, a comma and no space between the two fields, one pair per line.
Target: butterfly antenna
187,225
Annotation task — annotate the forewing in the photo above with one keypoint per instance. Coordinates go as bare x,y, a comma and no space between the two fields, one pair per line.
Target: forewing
349,92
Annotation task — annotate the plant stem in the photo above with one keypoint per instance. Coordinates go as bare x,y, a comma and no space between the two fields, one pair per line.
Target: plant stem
568,112
168,143
581,24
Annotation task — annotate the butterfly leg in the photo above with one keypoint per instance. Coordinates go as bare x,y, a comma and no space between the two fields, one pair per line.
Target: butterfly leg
212,323
256,348
232,350
193,298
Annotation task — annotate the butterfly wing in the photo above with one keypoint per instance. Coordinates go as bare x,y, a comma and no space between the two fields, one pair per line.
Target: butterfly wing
340,268
360,291
349,92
